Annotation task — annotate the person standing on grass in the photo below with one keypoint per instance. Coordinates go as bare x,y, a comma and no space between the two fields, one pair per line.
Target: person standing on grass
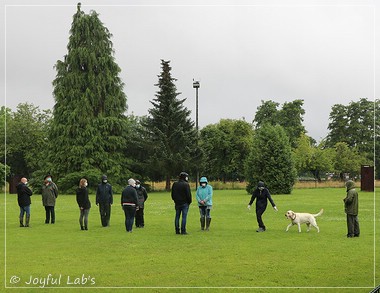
104,199
142,196
23,198
129,204
83,203
49,196
351,208
204,199
261,194
181,195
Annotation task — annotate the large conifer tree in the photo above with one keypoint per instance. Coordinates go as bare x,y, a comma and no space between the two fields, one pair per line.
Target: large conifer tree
87,134
170,132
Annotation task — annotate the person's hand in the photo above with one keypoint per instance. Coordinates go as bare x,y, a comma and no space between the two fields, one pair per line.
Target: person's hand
249,207
275,208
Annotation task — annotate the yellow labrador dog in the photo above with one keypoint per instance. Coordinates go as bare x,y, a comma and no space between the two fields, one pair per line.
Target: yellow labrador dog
301,218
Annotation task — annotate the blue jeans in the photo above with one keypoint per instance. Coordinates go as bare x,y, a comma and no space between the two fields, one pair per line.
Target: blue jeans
25,210
129,212
181,209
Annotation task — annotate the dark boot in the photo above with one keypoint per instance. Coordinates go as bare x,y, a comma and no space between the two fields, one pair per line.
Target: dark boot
208,221
27,221
85,227
81,227
21,221
177,231
202,223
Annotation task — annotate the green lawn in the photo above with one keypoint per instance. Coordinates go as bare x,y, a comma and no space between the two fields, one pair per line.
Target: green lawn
231,256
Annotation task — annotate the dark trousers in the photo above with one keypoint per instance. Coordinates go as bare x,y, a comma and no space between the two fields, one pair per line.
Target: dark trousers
181,209
139,222
49,212
105,213
353,226
129,212
259,214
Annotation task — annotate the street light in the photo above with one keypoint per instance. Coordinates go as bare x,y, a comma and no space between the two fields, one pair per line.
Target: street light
196,85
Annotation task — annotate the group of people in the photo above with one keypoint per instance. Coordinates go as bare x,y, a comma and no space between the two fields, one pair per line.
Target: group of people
134,196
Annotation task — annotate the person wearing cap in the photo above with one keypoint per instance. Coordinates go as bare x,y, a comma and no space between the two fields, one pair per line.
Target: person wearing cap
83,203
351,208
49,196
129,204
261,194
204,199
181,195
104,199
142,196
23,199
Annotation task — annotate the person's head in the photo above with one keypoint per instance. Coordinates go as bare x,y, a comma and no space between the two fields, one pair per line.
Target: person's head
48,178
203,182
184,176
261,185
350,184
83,183
24,180
131,182
138,183
104,179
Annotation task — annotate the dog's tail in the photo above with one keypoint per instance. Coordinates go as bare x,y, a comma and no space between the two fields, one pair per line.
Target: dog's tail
320,213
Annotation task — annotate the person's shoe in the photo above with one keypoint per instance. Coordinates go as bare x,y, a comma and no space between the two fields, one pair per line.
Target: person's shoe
356,235
184,233
350,235
81,227
260,230
85,227
22,222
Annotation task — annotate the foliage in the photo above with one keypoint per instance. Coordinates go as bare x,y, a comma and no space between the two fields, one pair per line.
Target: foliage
290,117
271,160
27,143
89,126
168,130
226,146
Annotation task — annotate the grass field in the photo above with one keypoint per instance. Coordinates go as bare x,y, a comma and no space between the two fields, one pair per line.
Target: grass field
231,257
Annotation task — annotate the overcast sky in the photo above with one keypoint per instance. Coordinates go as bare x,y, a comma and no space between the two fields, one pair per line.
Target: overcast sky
241,51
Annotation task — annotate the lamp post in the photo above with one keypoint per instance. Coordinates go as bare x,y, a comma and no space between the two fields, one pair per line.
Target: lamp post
196,85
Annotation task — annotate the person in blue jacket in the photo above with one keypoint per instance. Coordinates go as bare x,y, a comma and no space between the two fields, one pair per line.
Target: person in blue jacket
204,199
261,194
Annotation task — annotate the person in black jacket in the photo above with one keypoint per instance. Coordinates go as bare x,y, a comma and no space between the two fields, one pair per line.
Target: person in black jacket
23,198
181,195
83,203
104,198
142,196
129,204
261,194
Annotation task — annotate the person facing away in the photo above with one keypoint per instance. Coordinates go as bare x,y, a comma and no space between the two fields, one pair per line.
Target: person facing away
181,195
49,196
129,204
142,196
351,208
104,199
261,194
23,198
83,203
204,199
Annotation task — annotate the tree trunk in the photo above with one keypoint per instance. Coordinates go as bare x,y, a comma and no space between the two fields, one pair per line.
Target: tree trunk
167,185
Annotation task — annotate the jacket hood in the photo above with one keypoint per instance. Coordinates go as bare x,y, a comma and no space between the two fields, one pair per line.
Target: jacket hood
104,177
350,184
203,180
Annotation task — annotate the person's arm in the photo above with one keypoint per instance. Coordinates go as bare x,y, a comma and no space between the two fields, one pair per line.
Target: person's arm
271,200
55,189
145,194
111,195
189,199
252,199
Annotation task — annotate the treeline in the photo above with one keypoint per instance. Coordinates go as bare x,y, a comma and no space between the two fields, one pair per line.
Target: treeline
87,133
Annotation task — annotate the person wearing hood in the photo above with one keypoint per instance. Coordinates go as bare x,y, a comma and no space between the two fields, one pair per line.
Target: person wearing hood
23,198
181,195
351,208
261,194
204,199
142,196
49,196
104,199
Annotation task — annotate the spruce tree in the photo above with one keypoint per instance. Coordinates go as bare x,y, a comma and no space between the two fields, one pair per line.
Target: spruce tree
169,130
87,134
271,160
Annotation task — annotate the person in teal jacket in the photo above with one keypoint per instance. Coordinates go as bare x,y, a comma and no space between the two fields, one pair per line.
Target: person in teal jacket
204,199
